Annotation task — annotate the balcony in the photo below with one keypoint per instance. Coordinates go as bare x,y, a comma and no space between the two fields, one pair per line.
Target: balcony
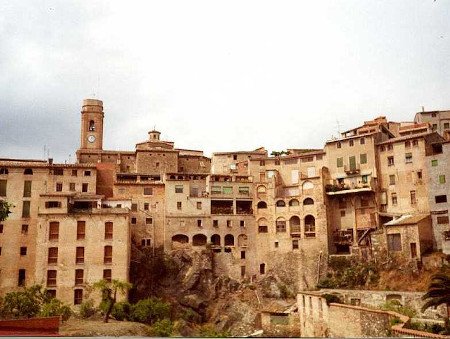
348,188
222,207
343,237
352,169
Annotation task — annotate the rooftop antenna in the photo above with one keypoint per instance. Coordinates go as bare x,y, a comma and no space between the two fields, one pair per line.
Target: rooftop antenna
423,108
338,125
45,151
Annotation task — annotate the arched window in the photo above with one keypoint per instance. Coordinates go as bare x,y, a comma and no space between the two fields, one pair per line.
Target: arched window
310,226
242,240
261,204
294,224
28,171
308,201
294,202
229,240
281,203
215,240
172,177
261,189
199,240
262,226
181,238
307,185
281,225
91,125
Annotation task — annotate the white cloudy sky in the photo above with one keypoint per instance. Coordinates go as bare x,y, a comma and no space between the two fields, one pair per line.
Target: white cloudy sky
216,75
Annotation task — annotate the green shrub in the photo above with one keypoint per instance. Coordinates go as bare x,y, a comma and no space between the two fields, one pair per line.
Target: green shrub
87,309
394,305
162,328
190,315
149,310
208,331
121,311
55,307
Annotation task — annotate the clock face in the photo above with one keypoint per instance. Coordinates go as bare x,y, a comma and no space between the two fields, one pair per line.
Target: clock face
91,138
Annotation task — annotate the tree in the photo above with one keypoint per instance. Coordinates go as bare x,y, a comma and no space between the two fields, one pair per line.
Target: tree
438,293
109,291
5,209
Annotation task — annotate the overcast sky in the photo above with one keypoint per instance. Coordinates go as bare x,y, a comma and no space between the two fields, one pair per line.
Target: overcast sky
216,75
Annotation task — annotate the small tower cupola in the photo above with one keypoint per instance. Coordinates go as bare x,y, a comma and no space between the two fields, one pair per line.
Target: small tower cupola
154,135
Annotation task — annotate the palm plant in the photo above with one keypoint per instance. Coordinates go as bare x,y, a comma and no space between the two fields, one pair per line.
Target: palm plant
438,293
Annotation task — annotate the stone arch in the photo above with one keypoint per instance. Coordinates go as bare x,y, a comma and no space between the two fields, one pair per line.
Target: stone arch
294,224
261,204
215,240
229,240
180,238
310,226
308,201
199,240
281,203
294,202
307,185
261,189
242,240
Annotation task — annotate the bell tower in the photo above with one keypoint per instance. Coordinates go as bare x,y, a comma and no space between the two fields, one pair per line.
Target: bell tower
92,124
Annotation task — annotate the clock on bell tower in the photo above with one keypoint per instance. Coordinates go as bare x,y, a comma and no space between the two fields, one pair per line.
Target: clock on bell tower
92,124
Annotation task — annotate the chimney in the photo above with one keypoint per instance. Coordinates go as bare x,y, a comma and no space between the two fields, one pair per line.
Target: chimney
50,161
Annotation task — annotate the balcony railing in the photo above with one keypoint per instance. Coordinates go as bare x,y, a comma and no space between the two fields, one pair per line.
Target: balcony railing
344,237
352,169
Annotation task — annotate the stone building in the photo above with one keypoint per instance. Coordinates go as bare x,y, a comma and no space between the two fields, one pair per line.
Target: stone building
439,121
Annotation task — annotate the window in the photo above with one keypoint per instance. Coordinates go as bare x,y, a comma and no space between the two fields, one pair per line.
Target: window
146,206
84,187
244,190
234,156
179,205
262,163
81,229
263,229
342,203
295,244
79,255
362,141
24,229
434,163
3,170
412,195
382,149
419,174
338,144
52,204
446,125
442,220
342,213
51,278
216,190
227,190
91,125
50,294
58,171
108,230
148,190
107,258
146,242
22,277
74,173
277,162
415,143
394,199
199,205
52,255
242,223
440,199
351,143
363,158
434,127
199,223
3,188
242,254
442,179
79,276
365,179
392,179
394,242
134,207
148,221
276,244
262,268
23,251
133,221
72,186
27,189
310,226
407,144
390,147
87,173
408,158
1,228
390,161
215,223
28,171
77,297
281,226
178,188
229,223
59,187
340,162
53,233
26,209
107,274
